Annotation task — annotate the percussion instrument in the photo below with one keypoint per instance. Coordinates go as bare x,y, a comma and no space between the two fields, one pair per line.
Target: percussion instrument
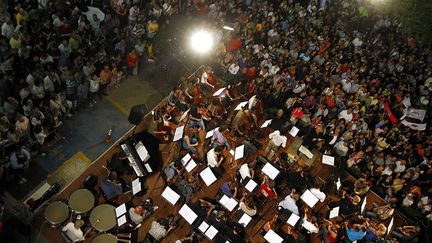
56,213
105,238
81,201
103,217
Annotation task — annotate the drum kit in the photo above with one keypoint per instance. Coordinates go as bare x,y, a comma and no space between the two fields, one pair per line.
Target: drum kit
81,202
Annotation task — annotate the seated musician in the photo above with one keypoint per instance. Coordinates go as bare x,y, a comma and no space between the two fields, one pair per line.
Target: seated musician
196,118
203,208
187,186
247,170
161,228
229,189
290,202
171,171
234,232
137,214
111,186
216,110
175,100
164,128
277,140
330,232
238,122
218,219
73,232
215,159
119,163
189,142
267,189
247,206
204,82
219,138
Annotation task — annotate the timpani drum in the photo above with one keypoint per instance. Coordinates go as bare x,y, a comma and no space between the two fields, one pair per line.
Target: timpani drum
56,213
106,216
105,238
81,201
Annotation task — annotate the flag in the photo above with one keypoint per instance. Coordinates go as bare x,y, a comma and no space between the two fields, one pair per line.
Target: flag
390,115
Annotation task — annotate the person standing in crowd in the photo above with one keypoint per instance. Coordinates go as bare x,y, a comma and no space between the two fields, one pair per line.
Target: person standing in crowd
19,162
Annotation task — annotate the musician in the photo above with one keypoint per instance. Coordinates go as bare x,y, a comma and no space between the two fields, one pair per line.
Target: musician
119,163
189,142
229,189
73,231
111,186
247,170
171,171
174,96
137,214
196,118
215,159
277,140
216,110
219,138
244,121
204,78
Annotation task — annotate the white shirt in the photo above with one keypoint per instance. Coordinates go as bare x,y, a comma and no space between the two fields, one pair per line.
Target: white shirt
278,139
94,85
289,204
244,171
74,234
204,78
136,218
319,194
211,158
344,115
233,68
48,84
132,13
7,30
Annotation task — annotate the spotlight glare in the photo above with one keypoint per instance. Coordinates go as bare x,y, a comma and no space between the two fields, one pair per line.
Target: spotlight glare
202,41
226,27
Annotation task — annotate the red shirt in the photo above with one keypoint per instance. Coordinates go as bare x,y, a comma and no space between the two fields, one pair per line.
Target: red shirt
251,73
235,44
132,61
266,191
297,113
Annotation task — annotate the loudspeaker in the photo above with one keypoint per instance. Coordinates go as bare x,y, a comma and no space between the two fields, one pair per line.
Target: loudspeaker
137,113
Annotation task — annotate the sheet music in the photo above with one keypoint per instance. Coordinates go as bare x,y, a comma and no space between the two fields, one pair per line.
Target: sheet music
390,226
293,219
294,130
306,152
121,221
208,176
203,227
270,170
245,219
363,206
191,165
120,210
178,134
309,198
148,168
328,160
170,195
188,214
334,212
209,134
211,232
224,200
338,184
239,152
309,226
142,151
183,116
219,91
272,237
266,123
136,189
232,152
241,105
136,181
231,204
251,185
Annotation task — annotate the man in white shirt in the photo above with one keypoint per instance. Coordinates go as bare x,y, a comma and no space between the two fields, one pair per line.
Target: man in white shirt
276,140
7,28
213,159
234,68
347,115
73,231
204,78
289,203
246,170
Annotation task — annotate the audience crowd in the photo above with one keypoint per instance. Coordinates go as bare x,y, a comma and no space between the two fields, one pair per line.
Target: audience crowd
58,57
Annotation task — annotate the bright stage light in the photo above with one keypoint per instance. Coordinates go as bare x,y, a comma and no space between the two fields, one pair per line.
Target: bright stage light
202,41
226,27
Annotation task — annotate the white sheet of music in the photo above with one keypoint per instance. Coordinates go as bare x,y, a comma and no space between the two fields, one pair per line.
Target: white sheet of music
390,226
272,237
209,134
148,168
266,123
122,220
203,227
293,219
328,160
191,165
241,105
270,170
309,226
294,130
135,182
239,152
170,195
334,212
245,219
219,91
211,232
224,200
142,151
208,176
178,134
183,116
251,185
120,210
231,204
363,206
188,214
309,198
136,189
